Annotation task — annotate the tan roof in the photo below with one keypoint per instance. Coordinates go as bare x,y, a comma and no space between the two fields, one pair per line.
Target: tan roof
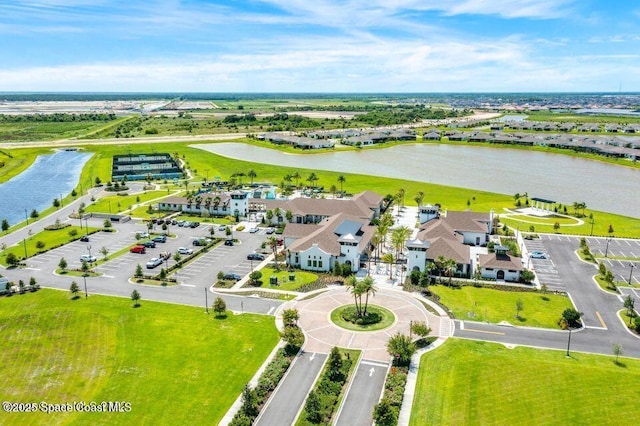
325,237
369,199
298,230
503,261
468,221
450,249
321,207
437,228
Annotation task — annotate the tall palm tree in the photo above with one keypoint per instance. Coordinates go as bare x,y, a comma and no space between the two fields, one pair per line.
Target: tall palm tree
388,258
440,262
356,291
341,180
296,176
273,244
368,289
312,179
333,190
252,174
419,198
401,193
381,233
399,237
450,266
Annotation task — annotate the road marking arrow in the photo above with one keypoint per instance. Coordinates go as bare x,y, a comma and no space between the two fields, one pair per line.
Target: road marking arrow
373,370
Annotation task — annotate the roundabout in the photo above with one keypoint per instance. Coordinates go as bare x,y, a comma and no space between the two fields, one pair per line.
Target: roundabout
322,332
376,318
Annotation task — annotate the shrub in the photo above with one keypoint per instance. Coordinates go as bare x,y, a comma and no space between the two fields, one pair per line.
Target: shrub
350,314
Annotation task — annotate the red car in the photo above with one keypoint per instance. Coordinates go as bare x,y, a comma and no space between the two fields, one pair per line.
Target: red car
138,249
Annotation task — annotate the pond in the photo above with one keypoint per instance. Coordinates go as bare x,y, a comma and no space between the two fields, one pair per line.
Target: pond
49,177
558,177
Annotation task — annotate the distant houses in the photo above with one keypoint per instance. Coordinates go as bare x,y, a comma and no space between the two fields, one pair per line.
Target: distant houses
329,138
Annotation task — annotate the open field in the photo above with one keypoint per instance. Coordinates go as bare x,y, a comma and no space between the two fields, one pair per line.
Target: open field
478,383
50,239
38,131
172,363
120,203
484,304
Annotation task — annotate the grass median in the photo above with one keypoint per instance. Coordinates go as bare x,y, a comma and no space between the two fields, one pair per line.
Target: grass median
172,363
469,382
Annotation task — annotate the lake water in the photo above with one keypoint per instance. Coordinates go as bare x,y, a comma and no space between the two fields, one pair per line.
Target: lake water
557,177
35,188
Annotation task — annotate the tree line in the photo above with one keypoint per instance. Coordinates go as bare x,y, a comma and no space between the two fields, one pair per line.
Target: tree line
56,118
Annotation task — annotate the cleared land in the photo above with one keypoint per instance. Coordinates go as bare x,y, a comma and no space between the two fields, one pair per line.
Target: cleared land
485,304
172,363
467,382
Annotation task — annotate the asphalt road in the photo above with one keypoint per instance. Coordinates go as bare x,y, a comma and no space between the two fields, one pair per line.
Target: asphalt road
363,394
288,399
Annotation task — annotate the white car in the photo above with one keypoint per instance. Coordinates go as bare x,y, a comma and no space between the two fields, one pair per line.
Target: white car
87,258
185,250
253,230
153,262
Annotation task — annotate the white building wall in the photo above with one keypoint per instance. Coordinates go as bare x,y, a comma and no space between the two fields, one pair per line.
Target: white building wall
416,258
493,273
352,254
474,238
314,254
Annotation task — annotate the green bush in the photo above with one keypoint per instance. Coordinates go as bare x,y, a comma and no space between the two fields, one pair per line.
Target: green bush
350,314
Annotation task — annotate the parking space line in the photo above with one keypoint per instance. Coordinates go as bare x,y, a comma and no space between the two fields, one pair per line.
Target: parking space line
601,320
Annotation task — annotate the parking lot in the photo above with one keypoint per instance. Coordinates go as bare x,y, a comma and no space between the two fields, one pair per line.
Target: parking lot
544,268
627,252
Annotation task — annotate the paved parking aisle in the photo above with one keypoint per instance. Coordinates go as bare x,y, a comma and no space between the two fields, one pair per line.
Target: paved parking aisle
544,268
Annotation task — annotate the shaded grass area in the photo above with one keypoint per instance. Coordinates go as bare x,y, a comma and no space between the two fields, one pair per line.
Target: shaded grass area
521,386
485,304
301,278
51,239
174,364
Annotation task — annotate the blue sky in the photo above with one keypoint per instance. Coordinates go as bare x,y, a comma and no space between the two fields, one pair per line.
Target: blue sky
320,45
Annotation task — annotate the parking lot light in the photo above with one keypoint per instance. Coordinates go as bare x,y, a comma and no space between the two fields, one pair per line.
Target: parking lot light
631,265
606,251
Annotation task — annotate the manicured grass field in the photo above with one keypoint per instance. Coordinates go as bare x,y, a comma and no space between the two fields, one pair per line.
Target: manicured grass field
479,383
172,363
302,278
49,238
485,304
120,203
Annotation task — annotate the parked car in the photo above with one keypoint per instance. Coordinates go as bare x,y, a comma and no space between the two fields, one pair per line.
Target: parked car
164,255
232,276
153,262
222,228
270,231
138,249
87,258
255,256
142,235
228,242
174,222
160,222
194,224
160,239
149,244
538,255
84,239
253,230
199,242
185,250
181,223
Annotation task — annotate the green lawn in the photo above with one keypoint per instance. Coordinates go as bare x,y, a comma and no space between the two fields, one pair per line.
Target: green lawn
50,239
302,278
172,363
479,383
485,304
120,203
387,318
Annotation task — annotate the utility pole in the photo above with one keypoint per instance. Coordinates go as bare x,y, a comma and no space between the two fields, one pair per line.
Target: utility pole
206,301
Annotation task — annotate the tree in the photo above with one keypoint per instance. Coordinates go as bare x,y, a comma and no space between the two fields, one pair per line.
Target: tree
74,289
313,407
219,306
290,317
367,287
519,307
98,181
135,297
390,259
527,276
254,277
419,198
273,244
296,176
420,328
352,285
56,203
34,214
249,403
401,349
294,338
252,175
62,264
610,231
341,181
617,351
33,284
335,365
40,245
556,226
602,270
450,266
138,273
570,318
385,413
12,259
288,215
629,303
5,225
312,179
104,251
84,267
107,223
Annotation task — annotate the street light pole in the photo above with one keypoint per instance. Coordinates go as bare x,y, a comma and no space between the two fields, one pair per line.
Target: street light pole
84,277
606,251
89,249
631,273
206,301
569,342
24,242
592,222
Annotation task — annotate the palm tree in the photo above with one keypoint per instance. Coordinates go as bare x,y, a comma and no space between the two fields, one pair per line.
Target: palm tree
450,268
368,289
356,291
388,258
381,233
401,193
399,237
419,198
252,174
312,179
216,202
439,262
341,180
273,243
333,190
296,176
